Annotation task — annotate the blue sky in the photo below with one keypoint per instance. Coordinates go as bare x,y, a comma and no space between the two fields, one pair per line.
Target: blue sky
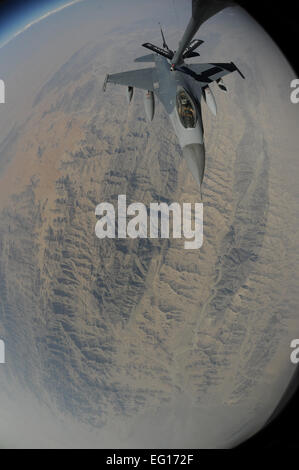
16,14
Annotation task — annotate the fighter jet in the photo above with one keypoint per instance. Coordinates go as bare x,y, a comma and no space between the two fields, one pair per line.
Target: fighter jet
179,86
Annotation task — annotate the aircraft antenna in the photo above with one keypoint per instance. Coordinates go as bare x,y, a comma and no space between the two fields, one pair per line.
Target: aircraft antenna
165,46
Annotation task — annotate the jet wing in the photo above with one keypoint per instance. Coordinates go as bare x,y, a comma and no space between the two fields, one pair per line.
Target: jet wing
142,78
208,73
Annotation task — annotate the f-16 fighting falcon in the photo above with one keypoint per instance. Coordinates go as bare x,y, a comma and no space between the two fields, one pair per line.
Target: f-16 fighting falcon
180,86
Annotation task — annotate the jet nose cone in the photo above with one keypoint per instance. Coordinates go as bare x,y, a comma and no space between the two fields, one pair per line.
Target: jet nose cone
195,156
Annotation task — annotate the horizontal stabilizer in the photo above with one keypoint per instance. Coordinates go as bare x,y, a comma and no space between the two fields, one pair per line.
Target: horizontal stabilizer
145,58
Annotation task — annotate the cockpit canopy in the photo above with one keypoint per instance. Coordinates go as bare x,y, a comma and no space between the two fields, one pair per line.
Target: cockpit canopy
186,109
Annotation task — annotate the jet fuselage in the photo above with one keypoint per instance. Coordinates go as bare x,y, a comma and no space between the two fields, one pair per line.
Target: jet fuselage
181,100
180,86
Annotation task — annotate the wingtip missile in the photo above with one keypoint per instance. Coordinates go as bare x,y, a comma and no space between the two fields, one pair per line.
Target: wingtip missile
105,82
238,70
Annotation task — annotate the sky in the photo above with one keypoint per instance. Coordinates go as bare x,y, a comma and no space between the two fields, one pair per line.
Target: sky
17,15
22,419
